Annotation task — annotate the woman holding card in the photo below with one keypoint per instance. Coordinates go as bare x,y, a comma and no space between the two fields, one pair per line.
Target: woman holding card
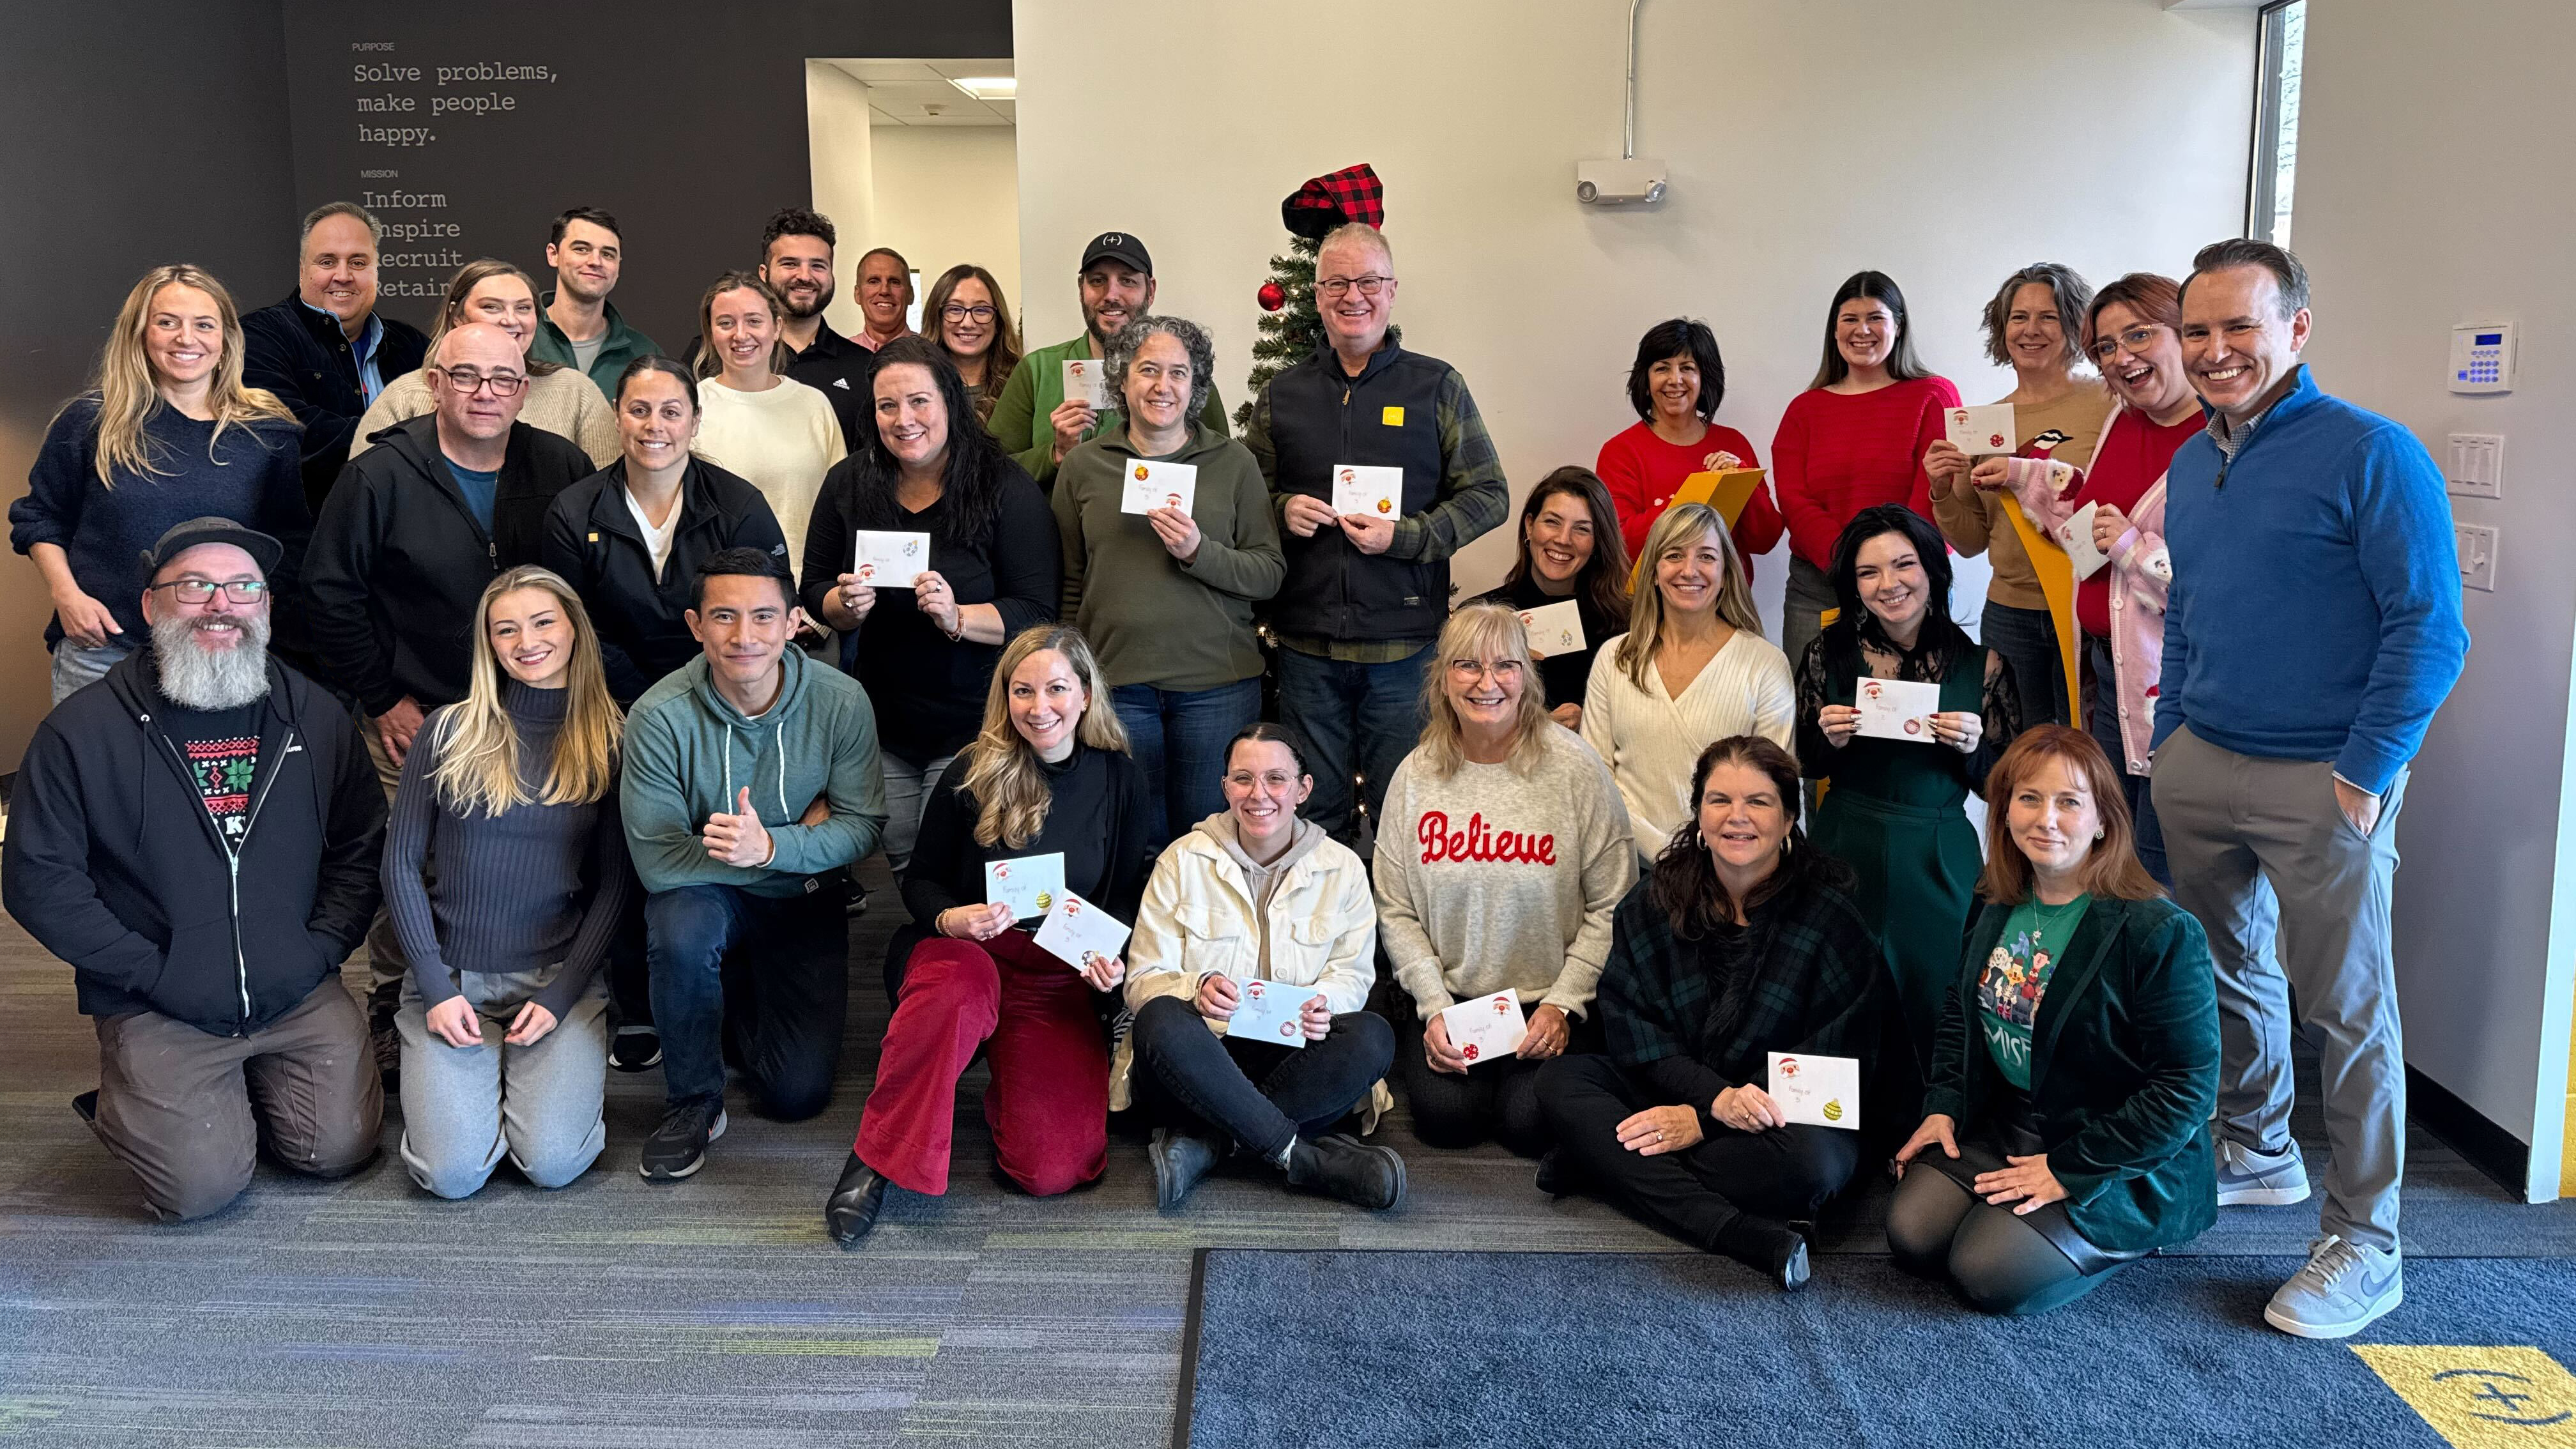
1676,385
926,649
1174,522
1896,810
2033,325
755,421
1255,949
1743,941
1692,667
1049,776
2134,335
1503,851
1853,439
2077,1067
1572,556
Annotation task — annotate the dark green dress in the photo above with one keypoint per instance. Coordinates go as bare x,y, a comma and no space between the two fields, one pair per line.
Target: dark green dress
1896,813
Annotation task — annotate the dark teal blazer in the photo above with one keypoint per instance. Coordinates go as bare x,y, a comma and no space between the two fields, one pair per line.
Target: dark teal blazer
2123,1070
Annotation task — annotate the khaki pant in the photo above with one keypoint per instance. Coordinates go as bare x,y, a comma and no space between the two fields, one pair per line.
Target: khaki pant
386,964
189,1110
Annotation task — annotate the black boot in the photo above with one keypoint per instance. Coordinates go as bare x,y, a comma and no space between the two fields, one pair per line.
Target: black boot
1180,1159
1346,1168
1772,1248
852,1208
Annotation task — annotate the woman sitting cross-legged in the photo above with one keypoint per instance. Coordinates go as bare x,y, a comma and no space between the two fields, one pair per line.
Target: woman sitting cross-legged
1743,940
1254,894
2077,1062
1503,852
506,875
1048,775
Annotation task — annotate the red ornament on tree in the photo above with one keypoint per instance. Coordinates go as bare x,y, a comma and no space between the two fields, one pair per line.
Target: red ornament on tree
1273,296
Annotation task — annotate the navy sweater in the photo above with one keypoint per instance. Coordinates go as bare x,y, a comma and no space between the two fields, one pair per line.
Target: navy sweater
2315,607
252,475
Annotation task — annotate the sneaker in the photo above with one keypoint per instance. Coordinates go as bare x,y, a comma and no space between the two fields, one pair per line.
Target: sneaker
2344,1288
678,1148
1349,1169
2247,1178
635,1049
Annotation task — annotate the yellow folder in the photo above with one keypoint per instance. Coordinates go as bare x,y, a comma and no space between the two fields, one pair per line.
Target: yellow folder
1726,491
2057,580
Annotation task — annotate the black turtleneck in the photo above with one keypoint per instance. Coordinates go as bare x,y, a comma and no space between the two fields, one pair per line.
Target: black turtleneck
1096,815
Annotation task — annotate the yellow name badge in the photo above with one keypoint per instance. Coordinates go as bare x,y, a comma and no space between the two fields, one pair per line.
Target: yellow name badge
1392,417
594,537
2481,1397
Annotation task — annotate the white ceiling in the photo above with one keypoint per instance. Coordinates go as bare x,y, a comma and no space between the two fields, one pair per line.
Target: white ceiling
917,92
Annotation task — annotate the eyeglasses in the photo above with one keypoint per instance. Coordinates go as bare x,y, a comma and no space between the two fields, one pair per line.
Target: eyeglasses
2136,340
198,591
1274,780
959,312
467,381
1503,670
1369,285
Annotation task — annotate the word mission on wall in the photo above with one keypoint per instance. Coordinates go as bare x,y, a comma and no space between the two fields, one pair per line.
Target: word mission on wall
417,116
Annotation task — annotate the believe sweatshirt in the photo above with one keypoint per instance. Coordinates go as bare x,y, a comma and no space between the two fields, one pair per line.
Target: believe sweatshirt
689,754
2315,606
1491,878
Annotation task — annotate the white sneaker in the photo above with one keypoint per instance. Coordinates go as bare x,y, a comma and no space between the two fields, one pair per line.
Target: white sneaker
2247,1178
2344,1289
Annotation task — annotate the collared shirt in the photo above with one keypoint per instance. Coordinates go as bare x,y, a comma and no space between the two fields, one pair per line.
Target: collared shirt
371,379
868,340
2230,443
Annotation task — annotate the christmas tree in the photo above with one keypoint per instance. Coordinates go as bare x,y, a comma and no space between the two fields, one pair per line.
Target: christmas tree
1291,328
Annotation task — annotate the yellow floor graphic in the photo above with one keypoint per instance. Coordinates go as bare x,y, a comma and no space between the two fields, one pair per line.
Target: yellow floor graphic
2482,1398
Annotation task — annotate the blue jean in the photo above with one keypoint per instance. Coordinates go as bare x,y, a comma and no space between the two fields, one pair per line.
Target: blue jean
2102,721
770,973
2027,639
1178,738
75,666
1359,719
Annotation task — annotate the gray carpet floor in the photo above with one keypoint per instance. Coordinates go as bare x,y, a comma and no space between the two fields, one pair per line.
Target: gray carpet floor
715,1312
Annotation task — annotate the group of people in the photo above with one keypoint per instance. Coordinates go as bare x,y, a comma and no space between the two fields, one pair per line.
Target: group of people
573,678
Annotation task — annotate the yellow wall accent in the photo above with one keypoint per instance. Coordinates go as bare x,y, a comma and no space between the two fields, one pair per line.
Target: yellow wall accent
2481,1398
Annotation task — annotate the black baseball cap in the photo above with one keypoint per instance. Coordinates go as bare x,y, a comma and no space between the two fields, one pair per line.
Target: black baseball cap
263,550
1117,246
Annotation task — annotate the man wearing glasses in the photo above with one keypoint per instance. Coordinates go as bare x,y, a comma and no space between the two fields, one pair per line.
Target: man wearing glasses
1033,419
197,837
1366,592
414,529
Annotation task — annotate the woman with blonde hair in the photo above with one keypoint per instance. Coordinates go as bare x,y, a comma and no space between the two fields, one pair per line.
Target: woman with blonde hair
561,400
754,421
971,324
166,432
1047,785
512,794
1692,669
1503,850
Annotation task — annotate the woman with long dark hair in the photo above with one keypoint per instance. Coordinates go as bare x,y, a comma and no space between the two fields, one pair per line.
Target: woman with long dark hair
926,652
970,322
1676,385
1570,549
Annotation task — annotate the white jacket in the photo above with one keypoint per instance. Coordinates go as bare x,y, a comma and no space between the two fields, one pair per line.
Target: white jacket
1197,920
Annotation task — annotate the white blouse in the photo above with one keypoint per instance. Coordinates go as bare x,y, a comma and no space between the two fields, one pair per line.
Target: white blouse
1651,740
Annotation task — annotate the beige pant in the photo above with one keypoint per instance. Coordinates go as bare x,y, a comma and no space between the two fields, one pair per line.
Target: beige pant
386,964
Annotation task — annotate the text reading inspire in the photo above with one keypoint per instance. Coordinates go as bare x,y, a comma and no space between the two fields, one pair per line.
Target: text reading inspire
1481,842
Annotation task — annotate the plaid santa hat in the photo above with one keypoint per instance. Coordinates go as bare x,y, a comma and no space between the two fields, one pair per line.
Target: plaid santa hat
1350,194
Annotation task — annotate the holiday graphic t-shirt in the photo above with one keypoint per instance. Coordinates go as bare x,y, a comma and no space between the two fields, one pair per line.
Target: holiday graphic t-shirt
2016,976
220,750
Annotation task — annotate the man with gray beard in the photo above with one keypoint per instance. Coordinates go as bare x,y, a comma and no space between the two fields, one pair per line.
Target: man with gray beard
197,836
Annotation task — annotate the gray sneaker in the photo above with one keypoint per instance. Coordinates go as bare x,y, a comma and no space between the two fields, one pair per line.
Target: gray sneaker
2344,1288
2247,1178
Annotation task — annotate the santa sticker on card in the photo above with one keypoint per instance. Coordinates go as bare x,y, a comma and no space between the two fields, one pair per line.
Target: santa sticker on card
1086,380
1149,485
1270,1011
1487,1027
1369,492
890,560
1980,432
1079,933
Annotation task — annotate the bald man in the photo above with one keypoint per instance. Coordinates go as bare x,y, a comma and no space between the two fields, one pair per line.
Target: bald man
414,529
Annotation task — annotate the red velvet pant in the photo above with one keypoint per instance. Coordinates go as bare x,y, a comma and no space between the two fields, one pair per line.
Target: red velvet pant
1049,1102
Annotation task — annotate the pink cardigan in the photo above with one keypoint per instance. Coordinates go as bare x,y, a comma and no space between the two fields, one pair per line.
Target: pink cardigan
2142,572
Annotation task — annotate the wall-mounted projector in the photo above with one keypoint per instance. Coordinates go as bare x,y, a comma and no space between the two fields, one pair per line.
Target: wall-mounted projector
1634,182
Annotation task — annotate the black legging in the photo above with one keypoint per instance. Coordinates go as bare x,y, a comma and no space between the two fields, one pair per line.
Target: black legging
1497,1099
1694,1194
2003,1262
1260,1095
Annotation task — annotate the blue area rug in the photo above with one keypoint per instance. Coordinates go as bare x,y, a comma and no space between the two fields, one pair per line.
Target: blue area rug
1361,1349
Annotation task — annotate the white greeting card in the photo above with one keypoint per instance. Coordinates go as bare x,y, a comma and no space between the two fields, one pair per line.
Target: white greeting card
1086,379
1554,629
1981,432
1487,1027
891,560
1028,884
1819,1091
1159,485
1372,492
1896,709
1075,931
1270,1011
2075,536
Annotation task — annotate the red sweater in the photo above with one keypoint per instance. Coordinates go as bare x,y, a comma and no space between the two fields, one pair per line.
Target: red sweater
1836,454
1642,472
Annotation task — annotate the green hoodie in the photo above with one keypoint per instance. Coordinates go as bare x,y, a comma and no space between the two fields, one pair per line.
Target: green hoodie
1022,415
688,753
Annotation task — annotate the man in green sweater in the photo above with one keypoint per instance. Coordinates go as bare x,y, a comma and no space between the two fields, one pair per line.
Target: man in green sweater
576,325
1033,420
751,780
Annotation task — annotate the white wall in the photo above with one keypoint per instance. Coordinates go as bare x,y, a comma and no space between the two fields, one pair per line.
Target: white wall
950,194
2486,900
844,171
1806,142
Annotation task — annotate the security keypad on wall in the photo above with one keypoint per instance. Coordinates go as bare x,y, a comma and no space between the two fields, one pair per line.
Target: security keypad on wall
2482,357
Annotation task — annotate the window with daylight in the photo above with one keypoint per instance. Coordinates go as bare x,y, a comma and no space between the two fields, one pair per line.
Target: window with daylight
2276,120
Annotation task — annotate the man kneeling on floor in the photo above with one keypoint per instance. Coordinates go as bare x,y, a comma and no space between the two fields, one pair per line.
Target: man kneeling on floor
197,835
751,780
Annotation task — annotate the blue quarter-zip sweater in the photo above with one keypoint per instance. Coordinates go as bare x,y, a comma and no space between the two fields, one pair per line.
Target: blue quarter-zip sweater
2315,608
